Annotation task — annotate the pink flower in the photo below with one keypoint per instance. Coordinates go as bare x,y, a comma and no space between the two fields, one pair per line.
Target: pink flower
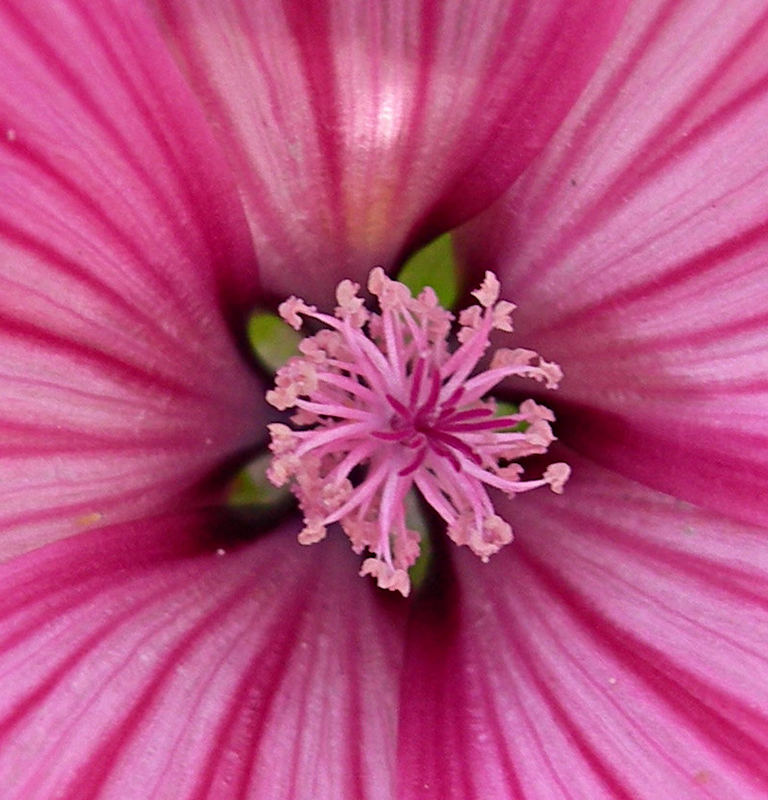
387,395
164,169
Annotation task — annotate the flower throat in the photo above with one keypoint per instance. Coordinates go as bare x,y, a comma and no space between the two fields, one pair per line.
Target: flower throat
385,405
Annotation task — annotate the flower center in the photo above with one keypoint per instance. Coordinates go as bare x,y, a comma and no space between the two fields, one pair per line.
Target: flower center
384,405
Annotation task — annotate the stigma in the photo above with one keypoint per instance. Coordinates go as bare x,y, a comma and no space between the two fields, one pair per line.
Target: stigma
393,401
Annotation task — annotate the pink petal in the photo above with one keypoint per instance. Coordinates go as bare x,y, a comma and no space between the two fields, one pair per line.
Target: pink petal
357,128
615,650
124,257
636,248
165,668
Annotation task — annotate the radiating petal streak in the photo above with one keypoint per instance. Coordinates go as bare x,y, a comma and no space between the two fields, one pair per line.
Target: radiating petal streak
635,248
360,133
81,95
124,254
721,717
193,646
614,785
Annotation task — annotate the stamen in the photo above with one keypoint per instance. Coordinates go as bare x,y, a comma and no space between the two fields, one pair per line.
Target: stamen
384,397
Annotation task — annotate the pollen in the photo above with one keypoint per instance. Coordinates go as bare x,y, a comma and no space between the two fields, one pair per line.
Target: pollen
388,402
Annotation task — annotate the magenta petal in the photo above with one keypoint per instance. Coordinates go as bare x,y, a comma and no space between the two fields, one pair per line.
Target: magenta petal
616,650
163,668
122,247
356,128
637,250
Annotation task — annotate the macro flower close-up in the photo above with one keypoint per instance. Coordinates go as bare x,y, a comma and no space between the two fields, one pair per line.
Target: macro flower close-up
384,400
